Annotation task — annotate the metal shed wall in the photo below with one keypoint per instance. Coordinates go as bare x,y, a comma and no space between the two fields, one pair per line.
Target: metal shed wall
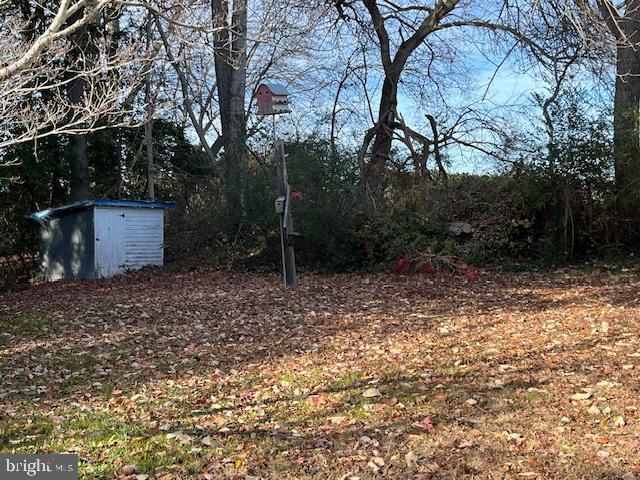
128,239
144,238
67,246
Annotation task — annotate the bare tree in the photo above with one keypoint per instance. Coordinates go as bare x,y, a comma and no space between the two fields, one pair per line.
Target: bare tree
61,81
69,17
400,29
414,28
218,66
611,35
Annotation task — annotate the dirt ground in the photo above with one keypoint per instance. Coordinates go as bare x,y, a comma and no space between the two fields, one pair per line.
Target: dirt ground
219,375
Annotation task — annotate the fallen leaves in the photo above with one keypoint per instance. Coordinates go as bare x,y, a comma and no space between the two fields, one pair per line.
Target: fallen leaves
181,437
594,410
467,443
130,469
371,393
619,421
209,442
216,375
424,424
580,396
411,459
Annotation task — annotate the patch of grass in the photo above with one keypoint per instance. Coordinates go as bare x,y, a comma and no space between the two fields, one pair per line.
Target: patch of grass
519,391
148,453
74,381
74,362
400,385
358,413
533,397
106,390
288,378
114,442
24,324
29,434
348,382
101,429
452,370
76,367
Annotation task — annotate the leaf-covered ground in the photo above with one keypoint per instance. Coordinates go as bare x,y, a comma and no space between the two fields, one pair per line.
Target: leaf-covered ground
218,375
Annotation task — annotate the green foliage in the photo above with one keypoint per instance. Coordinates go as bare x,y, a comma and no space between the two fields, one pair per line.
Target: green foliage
326,216
568,186
330,210
551,206
38,177
384,239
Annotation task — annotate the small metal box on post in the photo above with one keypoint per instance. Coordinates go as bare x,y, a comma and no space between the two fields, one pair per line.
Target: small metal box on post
272,100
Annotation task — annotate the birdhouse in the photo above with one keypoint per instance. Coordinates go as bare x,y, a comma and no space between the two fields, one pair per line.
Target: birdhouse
272,99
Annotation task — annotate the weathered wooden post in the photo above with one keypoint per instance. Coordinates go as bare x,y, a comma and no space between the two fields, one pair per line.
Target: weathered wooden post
287,232
272,100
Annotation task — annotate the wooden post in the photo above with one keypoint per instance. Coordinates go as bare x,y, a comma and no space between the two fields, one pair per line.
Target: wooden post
287,232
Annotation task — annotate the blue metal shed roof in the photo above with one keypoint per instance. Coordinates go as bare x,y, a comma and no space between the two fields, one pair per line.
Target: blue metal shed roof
103,202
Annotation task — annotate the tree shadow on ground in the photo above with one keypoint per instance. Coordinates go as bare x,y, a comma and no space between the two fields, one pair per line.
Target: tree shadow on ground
160,320
149,330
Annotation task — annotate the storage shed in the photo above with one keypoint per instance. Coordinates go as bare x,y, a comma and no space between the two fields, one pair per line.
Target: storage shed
100,238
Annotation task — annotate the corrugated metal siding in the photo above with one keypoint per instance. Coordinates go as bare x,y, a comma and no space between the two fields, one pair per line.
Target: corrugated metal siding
143,237
128,239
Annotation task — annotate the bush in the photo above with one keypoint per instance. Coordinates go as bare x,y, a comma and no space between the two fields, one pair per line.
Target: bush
550,207
516,215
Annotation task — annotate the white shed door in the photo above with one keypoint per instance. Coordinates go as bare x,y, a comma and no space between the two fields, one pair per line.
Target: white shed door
110,241
144,237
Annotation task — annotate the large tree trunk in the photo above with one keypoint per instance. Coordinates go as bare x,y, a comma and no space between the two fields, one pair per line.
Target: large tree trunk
626,116
626,112
230,63
80,189
626,122
236,137
381,149
148,126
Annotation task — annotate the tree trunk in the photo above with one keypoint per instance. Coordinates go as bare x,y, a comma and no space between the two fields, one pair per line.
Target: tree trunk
148,126
236,140
626,131
148,139
58,193
80,189
626,113
381,149
230,63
